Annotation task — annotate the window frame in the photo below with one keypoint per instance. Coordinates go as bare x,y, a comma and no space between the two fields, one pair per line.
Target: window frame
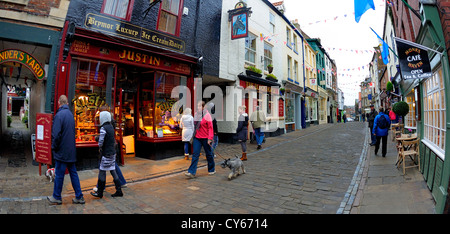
179,16
128,14
252,37
434,109
268,59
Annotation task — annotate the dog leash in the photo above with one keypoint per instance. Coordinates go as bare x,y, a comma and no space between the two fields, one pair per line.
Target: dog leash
220,155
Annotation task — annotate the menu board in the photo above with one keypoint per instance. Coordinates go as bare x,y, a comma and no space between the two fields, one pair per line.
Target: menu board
44,138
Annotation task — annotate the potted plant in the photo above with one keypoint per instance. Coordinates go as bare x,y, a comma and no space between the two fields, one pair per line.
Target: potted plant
282,90
253,71
401,109
270,68
271,77
389,87
9,120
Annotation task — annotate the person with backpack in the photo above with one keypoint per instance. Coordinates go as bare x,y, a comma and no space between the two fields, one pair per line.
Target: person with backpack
381,126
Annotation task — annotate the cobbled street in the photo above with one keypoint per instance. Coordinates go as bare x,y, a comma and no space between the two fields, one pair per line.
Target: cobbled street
303,172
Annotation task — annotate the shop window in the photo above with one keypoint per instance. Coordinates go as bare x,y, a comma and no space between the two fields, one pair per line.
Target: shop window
118,8
156,118
93,84
410,118
169,19
434,111
289,108
250,50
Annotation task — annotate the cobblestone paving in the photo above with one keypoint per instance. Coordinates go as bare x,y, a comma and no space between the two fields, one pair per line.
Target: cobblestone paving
303,172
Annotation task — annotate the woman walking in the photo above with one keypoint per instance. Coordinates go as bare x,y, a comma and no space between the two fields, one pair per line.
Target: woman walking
106,143
187,124
242,131
203,137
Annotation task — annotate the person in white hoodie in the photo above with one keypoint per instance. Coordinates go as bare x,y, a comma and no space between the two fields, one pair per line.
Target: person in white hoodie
187,124
242,131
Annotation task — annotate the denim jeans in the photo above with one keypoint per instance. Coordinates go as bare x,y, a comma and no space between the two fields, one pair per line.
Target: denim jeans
186,147
259,136
215,143
60,170
120,175
197,145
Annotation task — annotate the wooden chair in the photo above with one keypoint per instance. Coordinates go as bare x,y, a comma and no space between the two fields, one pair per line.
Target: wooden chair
409,149
397,129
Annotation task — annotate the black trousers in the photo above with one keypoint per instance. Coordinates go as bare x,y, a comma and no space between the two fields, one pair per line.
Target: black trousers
383,147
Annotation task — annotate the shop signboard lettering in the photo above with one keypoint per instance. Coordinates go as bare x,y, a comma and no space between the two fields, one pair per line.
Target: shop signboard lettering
414,61
15,55
133,57
43,143
120,28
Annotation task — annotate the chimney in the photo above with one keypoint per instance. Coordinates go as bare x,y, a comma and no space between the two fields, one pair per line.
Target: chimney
280,6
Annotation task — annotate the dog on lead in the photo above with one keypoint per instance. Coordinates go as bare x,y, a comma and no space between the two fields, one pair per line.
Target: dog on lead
235,165
50,173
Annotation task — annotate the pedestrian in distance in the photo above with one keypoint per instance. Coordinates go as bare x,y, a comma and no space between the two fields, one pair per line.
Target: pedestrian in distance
64,153
370,118
203,137
106,144
392,116
381,130
187,126
258,119
242,131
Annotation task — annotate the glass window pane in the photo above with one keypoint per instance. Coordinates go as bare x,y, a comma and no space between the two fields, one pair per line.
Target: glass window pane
167,22
166,122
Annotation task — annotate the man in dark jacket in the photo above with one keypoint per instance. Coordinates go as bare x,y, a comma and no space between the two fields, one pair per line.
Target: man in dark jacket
64,152
370,118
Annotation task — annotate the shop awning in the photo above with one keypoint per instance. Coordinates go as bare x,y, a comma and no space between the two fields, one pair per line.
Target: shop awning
257,80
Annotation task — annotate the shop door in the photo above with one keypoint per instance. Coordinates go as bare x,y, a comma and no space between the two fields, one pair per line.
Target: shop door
119,123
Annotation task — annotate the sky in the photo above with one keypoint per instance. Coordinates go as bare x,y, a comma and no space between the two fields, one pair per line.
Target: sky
333,21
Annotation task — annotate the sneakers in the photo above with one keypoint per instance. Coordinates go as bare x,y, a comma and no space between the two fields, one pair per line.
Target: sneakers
189,175
54,201
212,173
78,201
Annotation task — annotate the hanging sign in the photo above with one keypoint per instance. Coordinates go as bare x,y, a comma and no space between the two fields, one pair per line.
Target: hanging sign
414,62
22,57
239,20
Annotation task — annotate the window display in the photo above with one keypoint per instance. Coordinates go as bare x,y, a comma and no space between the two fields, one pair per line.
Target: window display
89,95
155,117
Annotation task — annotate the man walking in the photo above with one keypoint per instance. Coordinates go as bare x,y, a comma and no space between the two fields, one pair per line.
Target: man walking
380,129
370,118
258,119
64,153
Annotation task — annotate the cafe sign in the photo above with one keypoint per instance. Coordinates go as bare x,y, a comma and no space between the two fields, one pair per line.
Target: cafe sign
120,28
22,57
414,61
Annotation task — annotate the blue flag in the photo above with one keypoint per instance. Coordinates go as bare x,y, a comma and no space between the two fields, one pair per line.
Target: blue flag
361,6
384,49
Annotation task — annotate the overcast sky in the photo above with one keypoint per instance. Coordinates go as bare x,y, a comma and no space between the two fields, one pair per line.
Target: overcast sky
334,22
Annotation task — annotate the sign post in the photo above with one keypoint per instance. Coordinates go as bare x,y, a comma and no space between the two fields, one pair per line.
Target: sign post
43,139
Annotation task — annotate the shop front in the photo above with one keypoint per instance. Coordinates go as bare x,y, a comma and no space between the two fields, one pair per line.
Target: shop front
135,81
265,94
293,108
311,103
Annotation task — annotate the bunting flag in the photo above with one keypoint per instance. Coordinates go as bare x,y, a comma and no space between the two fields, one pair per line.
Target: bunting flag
361,6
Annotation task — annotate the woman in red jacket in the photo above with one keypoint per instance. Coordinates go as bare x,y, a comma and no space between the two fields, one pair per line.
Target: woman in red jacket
203,137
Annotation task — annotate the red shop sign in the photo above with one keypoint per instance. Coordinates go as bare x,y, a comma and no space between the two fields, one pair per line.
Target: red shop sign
44,138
